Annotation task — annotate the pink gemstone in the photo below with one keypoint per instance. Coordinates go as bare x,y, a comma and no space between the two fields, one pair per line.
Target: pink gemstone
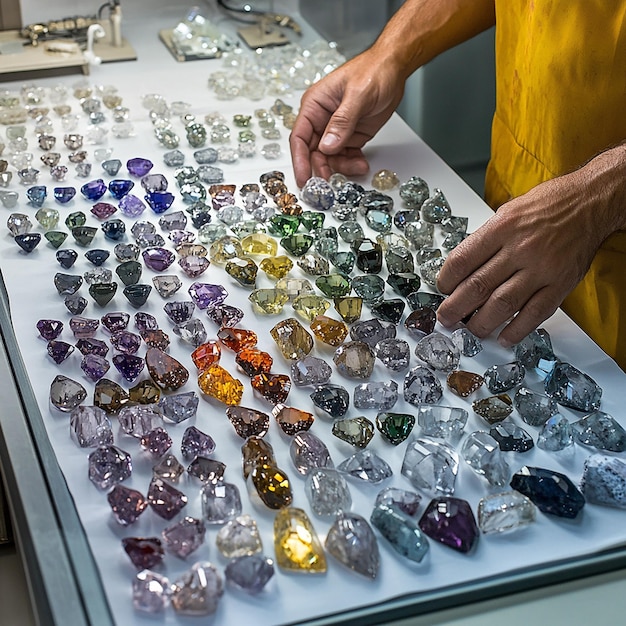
103,210
127,504
144,552
193,266
165,500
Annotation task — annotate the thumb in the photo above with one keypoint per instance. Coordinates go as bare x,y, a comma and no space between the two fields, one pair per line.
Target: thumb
339,129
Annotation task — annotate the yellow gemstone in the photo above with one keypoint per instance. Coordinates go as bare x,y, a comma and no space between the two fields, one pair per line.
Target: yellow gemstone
349,308
219,384
225,249
259,244
385,180
277,266
297,546
268,301
329,331
271,485
292,339
309,306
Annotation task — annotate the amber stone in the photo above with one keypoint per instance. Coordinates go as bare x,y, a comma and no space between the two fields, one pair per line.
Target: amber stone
349,308
276,267
109,396
292,420
218,383
271,485
220,188
236,339
256,451
292,339
248,422
273,387
206,355
464,383
329,331
296,544
165,370
252,361
144,392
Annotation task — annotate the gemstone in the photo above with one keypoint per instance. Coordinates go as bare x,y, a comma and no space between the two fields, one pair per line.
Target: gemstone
49,329
511,438
366,466
126,252
535,350
534,408
467,343
450,521
179,407
483,454
499,378
331,400
63,195
129,272
438,352
421,299
270,486
292,339
442,422
137,295
94,190
165,370
297,546
401,531
328,330
493,409
556,434
431,466
125,341
421,386
150,592
256,451
370,288
206,355
109,396
165,500
248,422
184,537
109,465
83,328
333,285
66,259
206,295
197,592
372,331
310,306
138,421
357,431
179,312
572,388
75,304
349,308
604,481
252,361
192,332
144,392
157,442
395,427
155,339
553,493
48,218
128,365
268,301
59,350
406,501
145,321
90,427
355,359
239,537
224,315
249,573
138,166
273,387
168,468
116,321
292,420
464,383
94,366
144,552
505,512
218,383
379,396
310,370
195,443
28,241
127,504
277,267
158,259
236,339
66,394
220,502
111,166
601,431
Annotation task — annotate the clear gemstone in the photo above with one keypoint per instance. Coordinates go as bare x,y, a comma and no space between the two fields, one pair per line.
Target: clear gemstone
220,502
511,437
482,453
572,388
431,466
327,492
310,371
239,537
438,351
394,353
556,434
443,422
184,537
179,407
499,378
66,394
378,396
421,386
366,466
169,468
90,427
150,592
600,430
198,591
467,343
138,421
534,408
505,512
109,465
309,452
406,501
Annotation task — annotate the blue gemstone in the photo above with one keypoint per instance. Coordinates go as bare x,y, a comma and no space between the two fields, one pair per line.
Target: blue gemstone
119,187
159,201
551,492
97,257
66,258
114,229
63,195
28,241
401,531
37,195
94,190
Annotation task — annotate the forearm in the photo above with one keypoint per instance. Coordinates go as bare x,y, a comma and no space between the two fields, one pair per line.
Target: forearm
422,29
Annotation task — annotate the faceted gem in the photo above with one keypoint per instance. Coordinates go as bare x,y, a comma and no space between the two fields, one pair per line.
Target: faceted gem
292,339
59,350
372,331
144,552
90,427
103,210
157,442
109,396
179,407
193,265
380,396
127,504
249,573
483,454
572,388
493,409
357,431
236,339
464,383
333,285
83,328
604,481
158,259
355,359
128,365
421,386
248,422
115,322
165,500
404,283
437,351
19,224
327,492
239,537
395,427
49,329
535,350
273,387
389,310
196,444
256,451
179,312
125,341
150,592
292,420
553,493
138,166
504,512
94,366
224,315
328,330
129,272
296,544
534,408
206,355
442,422
63,195
206,295
369,255
48,218
269,485
109,465
349,308
184,537
600,430
138,421
198,591
137,295
308,452
511,438
406,501
28,241
75,304
310,306
370,287
431,466
259,244
401,531
220,502
165,370
450,521
66,394
499,378
268,301
253,361
191,331
310,370
467,343
218,383
556,434
421,299
331,400
144,392
366,466
276,266
126,252
155,339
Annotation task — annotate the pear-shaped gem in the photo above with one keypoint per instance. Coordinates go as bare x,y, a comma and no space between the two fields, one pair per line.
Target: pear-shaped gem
165,370
464,383
270,485
494,408
357,431
329,331
244,271
297,547
352,542
248,422
277,267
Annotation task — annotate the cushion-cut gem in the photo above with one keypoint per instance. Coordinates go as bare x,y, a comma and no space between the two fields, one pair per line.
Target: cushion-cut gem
239,537
467,343
248,422
511,437
310,370
450,521
158,259
327,492
442,422
277,267
268,301
49,329
292,420
366,466
328,330
129,272
103,210
138,166
309,452
84,235
90,427
292,339
331,400
556,434
109,465
250,572
94,190
127,504
333,285
207,470
165,370
503,377
63,195
144,392
166,286
534,408
421,321
349,308
66,394
272,387
438,352
355,359
150,592
220,502
494,408
296,544
184,537
218,383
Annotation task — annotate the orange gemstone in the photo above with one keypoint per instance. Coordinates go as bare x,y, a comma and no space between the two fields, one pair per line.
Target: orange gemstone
328,330
286,200
273,387
219,384
292,420
215,189
206,354
252,361
236,339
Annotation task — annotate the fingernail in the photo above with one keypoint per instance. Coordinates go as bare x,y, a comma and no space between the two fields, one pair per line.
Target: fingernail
444,321
505,343
329,141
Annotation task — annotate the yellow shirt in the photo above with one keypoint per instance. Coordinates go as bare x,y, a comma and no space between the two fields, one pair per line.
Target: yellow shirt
561,99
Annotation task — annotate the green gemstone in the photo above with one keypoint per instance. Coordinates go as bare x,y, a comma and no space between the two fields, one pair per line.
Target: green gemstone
343,261
327,246
129,272
193,192
84,234
349,308
297,244
312,220
244,271
333,285
48,218
370,287
395,427
186,175
137,295
283,225
56,238
242,121
102,293
399,260
247,136
75,219
378,220
268,301
404,283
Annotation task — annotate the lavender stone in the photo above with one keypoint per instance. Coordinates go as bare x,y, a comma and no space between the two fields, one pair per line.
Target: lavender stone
450,521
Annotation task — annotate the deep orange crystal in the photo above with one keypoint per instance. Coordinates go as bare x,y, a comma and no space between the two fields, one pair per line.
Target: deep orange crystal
236,339
206,354
252,361
273,387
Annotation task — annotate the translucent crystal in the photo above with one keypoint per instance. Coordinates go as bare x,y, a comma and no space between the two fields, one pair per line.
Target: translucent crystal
556,434
367,466
482,453
511,437
357,431
572,388
494,408
467,343
109,465
499,378
534,408
431,466
444,422
406,501
296,543
309,452
378,396
600,430
604,481
355,359
450,521
220,502
239,537
505,512
198,591
438,351
150,592
401,531
421,386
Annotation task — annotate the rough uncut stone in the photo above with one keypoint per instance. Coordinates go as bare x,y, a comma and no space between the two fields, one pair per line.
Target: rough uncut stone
367,466
184,537
442,422
551,492
220,502
572,388
379,396
450,521
511,438
126,504
395,427
493,409
401,531
438,351
239,537
296,544
165,500
394,353
604,481
431,466
198,591
109,465
144,552
483,454
505,512
308,452
464,383
421,386
600,430
66,394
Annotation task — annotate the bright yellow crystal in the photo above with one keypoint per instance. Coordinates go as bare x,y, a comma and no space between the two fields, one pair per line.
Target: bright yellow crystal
259,244
219,384
277,266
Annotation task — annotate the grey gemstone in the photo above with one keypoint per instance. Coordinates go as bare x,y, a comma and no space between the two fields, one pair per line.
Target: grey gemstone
309,452
109,465
198,591
352,542
511,438
556,434
466,343
482,453
372,331
378,396
600,430
534,408
394,353
407,501
604,481
421,386
366,466
327,492
572,388
310,370
438,352
179,407
431,466
442,422
139,420
401,531
220,502
90,427
505,376
249,573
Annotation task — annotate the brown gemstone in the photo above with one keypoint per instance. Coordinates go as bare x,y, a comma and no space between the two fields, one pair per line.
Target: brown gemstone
464,383
236,339
256,451
252,361
285,200
275,187
109,396
191,249
292,339
329,331
271,485
219,384
248,422
215,189
292,420
273,387
145,392
165,370
206,355
292,209
156,339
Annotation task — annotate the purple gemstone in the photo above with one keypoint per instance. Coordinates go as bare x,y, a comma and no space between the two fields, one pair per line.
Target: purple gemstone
115,322
90,427
49,329
138,421
83,328
139,167
179,311
154,182
59,350
144,552
127,504
94,190
184,537
157,442
125,341
128,365
193,265
92,346
158,259
225,315
132,206
109,465
103,210
450,521
165,500
94,366
145,321
250,572
206,295
196,443
178,236
222,199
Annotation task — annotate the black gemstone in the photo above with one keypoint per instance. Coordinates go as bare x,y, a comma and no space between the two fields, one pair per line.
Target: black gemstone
200,218
389,310
404,284
137,295
84,234
97,257
129,272
421,322
421,299
369,256
331,399
67,284
102,293
75,304
114,229
28,241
